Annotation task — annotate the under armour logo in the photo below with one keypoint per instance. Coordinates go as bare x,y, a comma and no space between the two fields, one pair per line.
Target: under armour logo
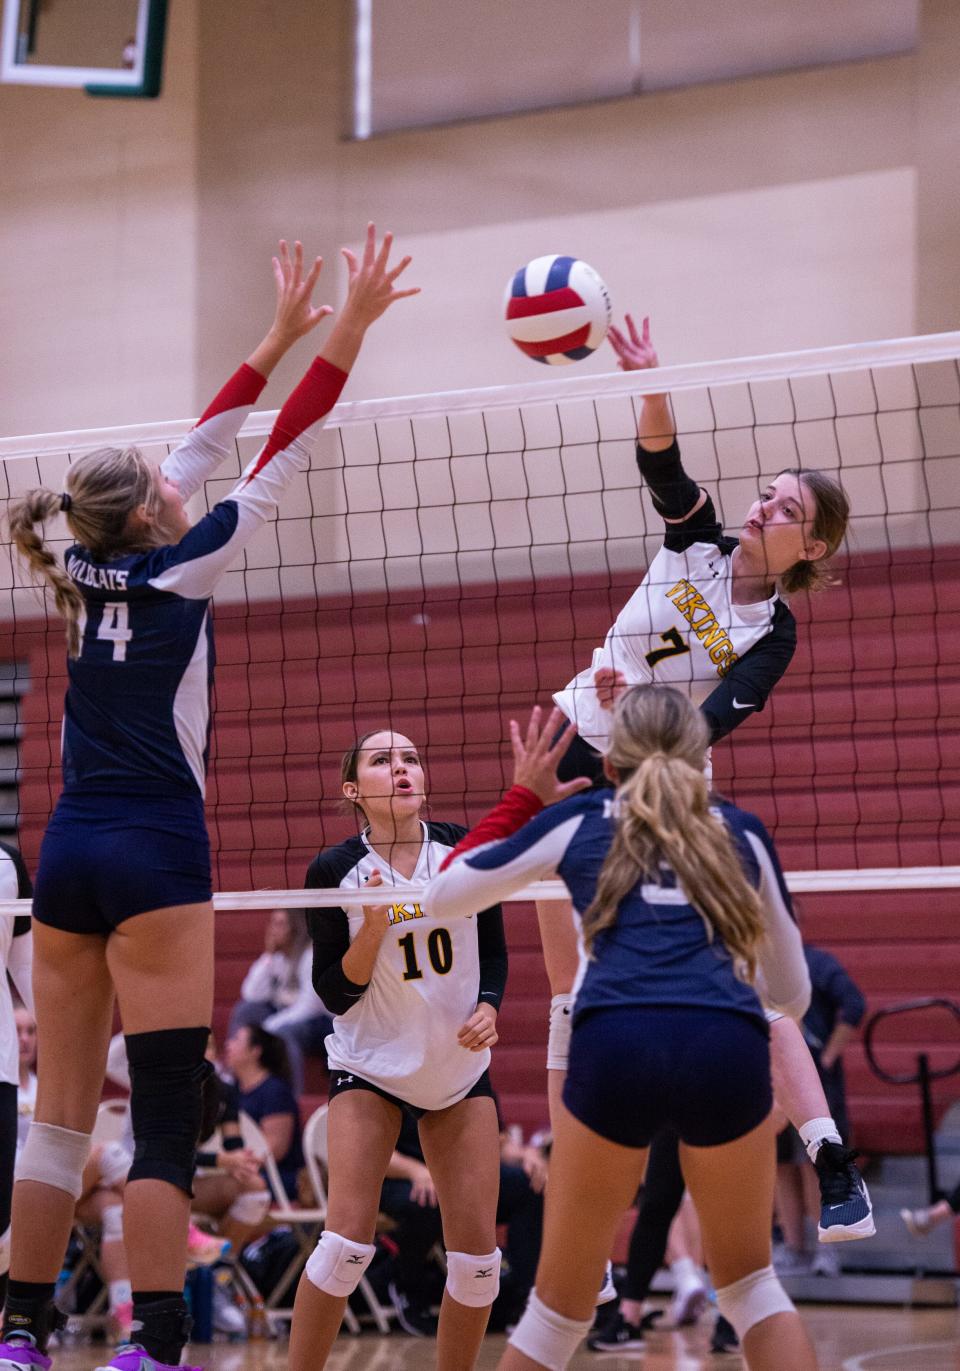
355,1261
483,1272
344,1080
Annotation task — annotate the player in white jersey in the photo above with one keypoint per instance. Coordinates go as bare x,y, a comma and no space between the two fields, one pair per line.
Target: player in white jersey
415,1003
16,961
709,618
123,907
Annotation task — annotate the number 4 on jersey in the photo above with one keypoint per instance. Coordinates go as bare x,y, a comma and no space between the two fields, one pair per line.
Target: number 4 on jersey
115,628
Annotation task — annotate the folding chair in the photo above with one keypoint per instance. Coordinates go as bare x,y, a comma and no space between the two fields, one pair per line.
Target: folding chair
315,1153
305,1224
110,1126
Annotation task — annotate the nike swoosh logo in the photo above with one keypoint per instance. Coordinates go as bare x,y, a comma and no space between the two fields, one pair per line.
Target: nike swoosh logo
738,705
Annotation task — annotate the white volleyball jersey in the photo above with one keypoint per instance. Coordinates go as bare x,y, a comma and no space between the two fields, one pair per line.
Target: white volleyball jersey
400,1031
681,628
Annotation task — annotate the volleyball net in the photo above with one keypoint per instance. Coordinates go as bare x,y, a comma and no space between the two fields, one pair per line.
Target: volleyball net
450,560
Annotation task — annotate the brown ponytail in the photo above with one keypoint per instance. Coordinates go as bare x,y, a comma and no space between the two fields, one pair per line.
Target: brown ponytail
658,746
24,515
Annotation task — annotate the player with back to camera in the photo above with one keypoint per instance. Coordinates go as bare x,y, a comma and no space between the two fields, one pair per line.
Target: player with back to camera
415,1000
123,894
683,904
709,618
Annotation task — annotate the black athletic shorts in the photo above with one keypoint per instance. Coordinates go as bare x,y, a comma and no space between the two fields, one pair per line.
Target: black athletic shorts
342,1081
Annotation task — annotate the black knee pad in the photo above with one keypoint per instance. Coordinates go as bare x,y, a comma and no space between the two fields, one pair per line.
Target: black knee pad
168,1071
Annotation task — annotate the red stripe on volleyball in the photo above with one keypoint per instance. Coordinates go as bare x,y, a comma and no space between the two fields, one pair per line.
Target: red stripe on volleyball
519,306
550,345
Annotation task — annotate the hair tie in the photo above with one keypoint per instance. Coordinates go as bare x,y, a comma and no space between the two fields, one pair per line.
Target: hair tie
66,500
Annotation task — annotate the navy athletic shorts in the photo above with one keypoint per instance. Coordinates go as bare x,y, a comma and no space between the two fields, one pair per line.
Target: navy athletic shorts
342,1081
705,1073
105,858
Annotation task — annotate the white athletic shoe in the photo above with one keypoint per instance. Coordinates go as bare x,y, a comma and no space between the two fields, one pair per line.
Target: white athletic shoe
608,1291
689,1301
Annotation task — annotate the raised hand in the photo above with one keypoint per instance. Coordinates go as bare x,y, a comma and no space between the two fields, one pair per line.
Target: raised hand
375,915
635,352
295,314
536,756
371,288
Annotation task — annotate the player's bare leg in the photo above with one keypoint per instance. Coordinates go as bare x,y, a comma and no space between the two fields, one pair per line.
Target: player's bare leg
461,1147
362,1133
162,966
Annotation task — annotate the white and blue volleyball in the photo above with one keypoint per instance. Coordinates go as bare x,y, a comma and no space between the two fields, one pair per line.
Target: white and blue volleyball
557,309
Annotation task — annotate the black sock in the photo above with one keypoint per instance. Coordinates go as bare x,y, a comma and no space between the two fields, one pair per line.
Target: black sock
161,1324
29,1309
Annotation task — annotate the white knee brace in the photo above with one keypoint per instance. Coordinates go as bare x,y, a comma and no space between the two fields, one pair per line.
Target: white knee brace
111,1223
546,1337
336,1264
752,1299
251,1207
561,1026
115,1162
54,1156
474,1281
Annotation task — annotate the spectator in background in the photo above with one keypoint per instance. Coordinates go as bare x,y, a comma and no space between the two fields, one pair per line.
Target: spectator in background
27,1086
257,1060
278,992
837,1007
409,1197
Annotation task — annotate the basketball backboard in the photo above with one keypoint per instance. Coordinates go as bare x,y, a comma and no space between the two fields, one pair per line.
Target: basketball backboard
112,47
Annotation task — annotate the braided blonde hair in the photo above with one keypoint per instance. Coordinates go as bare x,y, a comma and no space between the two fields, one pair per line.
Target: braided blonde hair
658,746
104,488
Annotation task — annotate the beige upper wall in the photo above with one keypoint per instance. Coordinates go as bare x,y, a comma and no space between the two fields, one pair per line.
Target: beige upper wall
149,225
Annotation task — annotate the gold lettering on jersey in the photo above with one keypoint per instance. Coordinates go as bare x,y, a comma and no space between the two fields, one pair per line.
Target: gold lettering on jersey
701,618
400,913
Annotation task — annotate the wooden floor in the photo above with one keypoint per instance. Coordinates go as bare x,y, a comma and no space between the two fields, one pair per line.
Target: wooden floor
847,1339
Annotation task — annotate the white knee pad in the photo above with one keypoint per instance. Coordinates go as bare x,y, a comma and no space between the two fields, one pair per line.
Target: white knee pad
54,1156
111,1223
474,1281
546,1337
251,1207
336,1264
561,1026
752,1299
115,1161
5,1251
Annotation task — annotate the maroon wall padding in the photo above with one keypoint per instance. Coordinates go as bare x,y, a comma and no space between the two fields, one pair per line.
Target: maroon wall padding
855,762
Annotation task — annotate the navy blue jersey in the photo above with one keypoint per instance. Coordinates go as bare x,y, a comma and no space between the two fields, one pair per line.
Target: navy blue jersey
137,712
659,950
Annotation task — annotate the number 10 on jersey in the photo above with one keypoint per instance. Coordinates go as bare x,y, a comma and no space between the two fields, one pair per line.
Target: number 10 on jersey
439,953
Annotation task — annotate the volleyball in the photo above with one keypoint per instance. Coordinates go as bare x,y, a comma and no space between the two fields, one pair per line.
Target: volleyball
557,310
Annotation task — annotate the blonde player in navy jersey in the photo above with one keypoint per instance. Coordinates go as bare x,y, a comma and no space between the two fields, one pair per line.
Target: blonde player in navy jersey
123,893
683,906
415,1000
709,617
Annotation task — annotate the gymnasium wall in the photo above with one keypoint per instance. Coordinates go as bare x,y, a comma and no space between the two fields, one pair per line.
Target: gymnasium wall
804,209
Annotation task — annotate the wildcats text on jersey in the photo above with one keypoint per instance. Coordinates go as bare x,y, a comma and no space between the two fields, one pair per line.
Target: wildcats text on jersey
99,577
691,604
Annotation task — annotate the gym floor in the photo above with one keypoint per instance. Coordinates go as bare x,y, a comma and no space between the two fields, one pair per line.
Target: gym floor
848,1338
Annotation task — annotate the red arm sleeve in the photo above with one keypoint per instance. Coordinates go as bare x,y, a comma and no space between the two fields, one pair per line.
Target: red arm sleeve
514,810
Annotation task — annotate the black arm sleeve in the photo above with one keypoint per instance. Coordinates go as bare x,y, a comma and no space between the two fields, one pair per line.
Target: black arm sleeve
492,947
744,689
330,929
674,495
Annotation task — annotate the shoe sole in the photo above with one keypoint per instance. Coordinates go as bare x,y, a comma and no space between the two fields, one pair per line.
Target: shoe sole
689,1309
632,1346
850,1232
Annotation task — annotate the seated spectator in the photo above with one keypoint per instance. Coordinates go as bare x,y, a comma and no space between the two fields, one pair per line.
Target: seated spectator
257,1061
228,1186
410,1199
837,1007
27,1087
278,993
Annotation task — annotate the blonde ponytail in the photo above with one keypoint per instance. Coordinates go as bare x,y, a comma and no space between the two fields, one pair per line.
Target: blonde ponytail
24,515
658,747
